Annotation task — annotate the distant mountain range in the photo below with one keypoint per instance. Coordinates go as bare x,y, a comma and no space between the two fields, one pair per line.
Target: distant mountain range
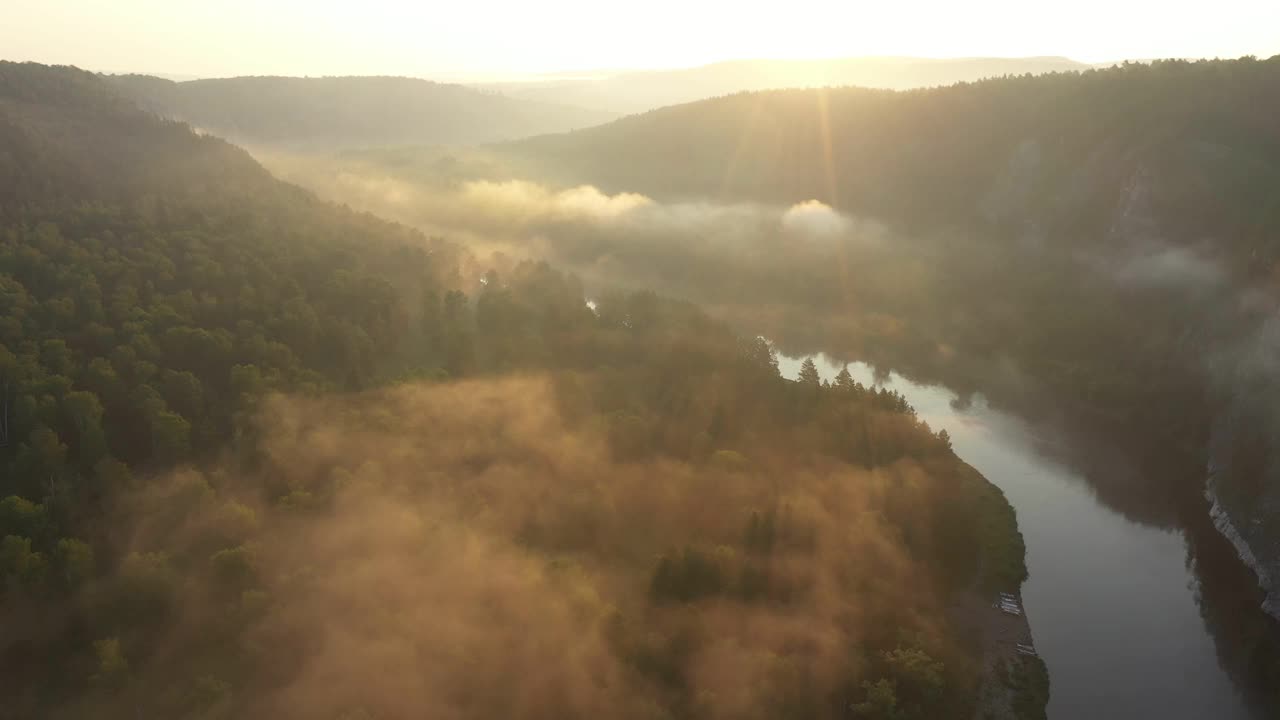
640,90
344,112
330,113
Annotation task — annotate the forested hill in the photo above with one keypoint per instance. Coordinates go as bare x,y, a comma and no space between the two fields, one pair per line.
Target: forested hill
641,90
263,457
129,241
340,112
1196,140
70,138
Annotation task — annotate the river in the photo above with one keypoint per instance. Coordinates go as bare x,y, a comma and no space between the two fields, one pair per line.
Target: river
1117,607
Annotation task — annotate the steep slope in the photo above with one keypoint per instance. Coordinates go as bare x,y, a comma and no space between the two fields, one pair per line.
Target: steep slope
1056,149
70,138
338,112
150,237
638,91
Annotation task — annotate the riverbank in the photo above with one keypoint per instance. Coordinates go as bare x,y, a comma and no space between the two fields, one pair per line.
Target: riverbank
1226,526
1141,607
1013,685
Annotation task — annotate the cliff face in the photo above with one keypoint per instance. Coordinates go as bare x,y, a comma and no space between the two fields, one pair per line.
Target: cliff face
1256,544
1174,247
1243,487
1211,294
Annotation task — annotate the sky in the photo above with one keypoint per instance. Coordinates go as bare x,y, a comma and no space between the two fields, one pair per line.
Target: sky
484,38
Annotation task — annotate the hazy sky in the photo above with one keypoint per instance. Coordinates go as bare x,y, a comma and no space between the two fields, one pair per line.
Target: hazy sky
476,37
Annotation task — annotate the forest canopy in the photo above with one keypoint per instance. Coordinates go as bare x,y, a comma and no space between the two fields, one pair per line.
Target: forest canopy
264,456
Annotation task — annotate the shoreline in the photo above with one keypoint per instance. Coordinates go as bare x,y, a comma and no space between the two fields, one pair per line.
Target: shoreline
1223,523
1010,682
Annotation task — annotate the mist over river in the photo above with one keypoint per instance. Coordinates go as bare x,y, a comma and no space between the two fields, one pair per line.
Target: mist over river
1133,619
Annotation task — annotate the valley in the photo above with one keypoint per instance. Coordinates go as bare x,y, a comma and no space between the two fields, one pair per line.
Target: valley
880,387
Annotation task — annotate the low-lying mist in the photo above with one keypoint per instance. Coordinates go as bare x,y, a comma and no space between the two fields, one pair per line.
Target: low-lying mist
768,265
815,278
475,550
811,276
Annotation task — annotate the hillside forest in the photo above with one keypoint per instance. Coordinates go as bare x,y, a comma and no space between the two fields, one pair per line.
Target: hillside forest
266,456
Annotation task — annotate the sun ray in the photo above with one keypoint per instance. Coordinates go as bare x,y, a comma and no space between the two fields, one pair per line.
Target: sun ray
823,101
731,167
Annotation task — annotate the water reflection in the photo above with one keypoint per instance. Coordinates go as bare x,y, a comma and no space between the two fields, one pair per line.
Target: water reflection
1134,617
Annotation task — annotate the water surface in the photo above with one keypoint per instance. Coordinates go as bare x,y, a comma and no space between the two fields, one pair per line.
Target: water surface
1115,605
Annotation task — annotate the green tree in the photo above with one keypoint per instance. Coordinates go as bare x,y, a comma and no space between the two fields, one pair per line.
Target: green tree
881,702
19,564
686,576
8,384
459,334
40,463
113,667
809,373
57,357
84,415
247,383
101,378
144,588
112,475
170,437
234,568
183,393
760,356
73,561
844,380
19,516
919,681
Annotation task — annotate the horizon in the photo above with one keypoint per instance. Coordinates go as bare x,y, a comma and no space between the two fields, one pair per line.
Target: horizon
484,41
465,78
